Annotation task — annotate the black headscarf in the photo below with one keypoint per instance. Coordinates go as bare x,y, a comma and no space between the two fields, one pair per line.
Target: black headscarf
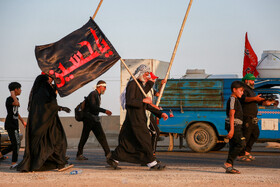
41,81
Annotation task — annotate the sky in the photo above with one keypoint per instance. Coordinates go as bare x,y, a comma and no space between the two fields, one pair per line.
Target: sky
213,38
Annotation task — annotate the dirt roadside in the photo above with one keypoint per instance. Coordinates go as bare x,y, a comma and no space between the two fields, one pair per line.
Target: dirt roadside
141,176
183,169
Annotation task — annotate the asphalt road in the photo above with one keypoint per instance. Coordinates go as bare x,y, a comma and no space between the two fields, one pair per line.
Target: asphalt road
265,158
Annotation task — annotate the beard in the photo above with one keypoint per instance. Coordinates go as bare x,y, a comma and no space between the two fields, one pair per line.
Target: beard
250,85
141,78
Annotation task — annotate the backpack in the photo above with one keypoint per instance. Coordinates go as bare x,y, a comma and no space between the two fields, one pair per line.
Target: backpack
79,111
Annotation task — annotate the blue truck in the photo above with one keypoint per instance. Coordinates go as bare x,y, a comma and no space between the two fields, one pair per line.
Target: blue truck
198,107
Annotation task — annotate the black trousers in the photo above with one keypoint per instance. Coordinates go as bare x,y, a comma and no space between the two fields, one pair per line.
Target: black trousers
236,144
251,133
15,144
90,124
154,131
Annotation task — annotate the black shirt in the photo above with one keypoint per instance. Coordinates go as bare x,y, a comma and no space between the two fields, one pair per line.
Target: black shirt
249,108
11,121
234,104
93,103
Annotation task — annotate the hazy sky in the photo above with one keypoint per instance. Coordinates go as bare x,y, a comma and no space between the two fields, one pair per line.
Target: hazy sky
213,38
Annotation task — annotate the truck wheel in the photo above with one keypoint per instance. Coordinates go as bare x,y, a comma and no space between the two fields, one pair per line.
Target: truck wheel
201,137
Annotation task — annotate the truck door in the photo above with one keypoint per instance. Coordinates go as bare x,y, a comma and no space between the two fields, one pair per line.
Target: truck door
269,118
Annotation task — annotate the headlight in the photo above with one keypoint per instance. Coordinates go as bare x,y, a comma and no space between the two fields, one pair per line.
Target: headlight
2,130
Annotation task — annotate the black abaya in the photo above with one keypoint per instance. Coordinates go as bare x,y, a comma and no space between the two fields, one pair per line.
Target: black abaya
45,143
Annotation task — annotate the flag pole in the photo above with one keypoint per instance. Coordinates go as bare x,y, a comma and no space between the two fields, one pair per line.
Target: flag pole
97,9
174,52
133,77
121,58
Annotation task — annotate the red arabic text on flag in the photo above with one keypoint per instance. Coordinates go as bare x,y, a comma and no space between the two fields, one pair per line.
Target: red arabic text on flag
250,59
78,58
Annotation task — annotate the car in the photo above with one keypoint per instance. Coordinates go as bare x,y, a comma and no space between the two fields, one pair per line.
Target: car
5,140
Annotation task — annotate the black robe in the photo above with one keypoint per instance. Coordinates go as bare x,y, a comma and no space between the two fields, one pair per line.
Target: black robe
45,141
135,145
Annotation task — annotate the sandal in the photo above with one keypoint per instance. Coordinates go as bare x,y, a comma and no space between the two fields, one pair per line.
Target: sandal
244,159
231,170
13,167
81,157
157,167
4,158
251,157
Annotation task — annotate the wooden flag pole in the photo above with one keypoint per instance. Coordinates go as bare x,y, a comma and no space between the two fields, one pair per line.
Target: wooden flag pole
174,52
121,58
97,9
133,77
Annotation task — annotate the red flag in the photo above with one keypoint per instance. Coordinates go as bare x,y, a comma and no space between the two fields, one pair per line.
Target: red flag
250,59
153,76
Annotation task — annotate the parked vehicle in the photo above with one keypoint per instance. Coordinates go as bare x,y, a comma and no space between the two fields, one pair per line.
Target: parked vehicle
199,110
5,141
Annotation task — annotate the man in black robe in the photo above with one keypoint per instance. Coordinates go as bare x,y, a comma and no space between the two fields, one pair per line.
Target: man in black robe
135,145
45,141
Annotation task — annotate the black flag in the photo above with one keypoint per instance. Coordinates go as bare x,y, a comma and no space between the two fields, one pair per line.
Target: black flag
78,58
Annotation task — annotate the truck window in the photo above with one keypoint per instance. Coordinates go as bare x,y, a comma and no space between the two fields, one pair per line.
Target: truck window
269,104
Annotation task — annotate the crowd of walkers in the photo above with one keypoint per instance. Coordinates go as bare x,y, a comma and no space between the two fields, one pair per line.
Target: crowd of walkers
46,143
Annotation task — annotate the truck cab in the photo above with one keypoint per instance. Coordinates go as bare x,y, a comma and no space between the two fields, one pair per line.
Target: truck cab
198,107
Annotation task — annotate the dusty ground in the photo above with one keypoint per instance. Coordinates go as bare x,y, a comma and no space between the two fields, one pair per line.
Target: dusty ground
140,176
182,173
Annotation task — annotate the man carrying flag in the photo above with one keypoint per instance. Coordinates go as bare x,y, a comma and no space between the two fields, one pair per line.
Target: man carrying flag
250,59
135,144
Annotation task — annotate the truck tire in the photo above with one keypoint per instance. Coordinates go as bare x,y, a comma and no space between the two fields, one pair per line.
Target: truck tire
201,137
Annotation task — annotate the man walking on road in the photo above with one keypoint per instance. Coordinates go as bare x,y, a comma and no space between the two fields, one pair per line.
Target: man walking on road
91,121
249,103
135,145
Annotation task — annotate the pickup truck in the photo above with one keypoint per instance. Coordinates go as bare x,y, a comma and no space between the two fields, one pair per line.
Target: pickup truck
198,111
